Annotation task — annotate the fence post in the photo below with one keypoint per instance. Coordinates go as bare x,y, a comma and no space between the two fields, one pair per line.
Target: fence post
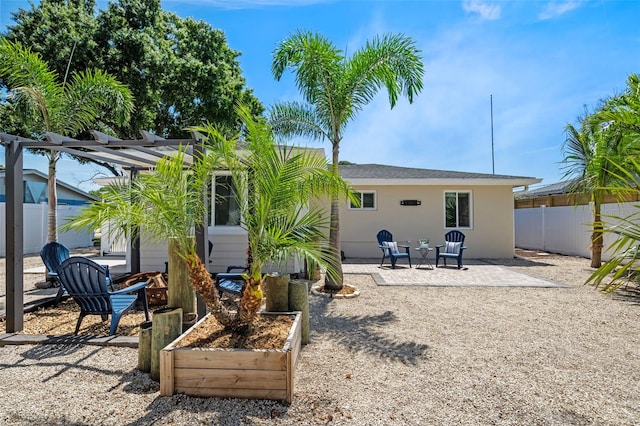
544,227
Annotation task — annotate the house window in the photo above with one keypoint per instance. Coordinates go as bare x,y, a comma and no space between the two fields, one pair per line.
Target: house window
367,201
457,209
226,209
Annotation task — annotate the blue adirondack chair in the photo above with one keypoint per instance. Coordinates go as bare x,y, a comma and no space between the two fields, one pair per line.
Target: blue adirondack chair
52,255
86,282
391,251
452,248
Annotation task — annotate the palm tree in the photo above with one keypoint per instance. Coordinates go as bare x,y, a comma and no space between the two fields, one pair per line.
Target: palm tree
593,155
272,186
277,190
622,116
47,105
335,89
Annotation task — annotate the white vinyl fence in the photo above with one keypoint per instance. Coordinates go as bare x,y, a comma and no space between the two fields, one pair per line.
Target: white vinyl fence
35,228
566,229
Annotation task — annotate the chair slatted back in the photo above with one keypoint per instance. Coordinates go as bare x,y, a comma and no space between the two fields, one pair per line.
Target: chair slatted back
52,255
86,282
454,237
384,236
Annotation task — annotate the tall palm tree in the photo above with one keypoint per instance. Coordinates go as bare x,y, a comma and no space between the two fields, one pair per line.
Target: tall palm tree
622,116
335,89
46,104
593,155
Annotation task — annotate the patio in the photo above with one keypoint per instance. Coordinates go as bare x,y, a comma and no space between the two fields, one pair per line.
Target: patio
475,273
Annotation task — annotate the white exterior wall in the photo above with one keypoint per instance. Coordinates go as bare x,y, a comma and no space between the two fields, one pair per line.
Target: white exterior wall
565,229
35,228
491,234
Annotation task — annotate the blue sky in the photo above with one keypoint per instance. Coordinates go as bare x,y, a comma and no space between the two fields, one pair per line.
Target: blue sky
543,62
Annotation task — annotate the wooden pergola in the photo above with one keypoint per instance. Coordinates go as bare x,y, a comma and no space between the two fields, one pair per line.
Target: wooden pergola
131,155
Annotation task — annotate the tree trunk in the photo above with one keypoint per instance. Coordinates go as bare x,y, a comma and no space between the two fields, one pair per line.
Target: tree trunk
203,283
52,203
335,283
167,326
180,293
277,293
596,237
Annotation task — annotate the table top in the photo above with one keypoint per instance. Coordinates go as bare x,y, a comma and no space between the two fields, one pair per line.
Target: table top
424,248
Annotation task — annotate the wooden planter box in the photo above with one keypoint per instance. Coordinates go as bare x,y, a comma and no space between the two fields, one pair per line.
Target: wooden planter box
233,373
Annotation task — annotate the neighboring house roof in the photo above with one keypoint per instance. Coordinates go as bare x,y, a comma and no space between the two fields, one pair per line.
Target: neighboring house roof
44,177
377,174
564,187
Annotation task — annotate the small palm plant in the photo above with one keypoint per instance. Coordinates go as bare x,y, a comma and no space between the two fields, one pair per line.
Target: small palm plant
272,185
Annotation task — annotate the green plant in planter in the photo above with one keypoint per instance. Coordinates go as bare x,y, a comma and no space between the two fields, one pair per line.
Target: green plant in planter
273,186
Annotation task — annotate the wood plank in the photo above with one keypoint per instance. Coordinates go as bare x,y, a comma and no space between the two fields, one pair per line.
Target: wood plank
237,359
167,384
243,379
235,393
290,371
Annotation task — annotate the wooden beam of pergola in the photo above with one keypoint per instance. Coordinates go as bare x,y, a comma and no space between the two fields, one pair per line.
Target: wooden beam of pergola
103,148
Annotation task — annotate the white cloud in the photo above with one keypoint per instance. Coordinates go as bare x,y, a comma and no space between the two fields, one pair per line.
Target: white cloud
554,9
486,10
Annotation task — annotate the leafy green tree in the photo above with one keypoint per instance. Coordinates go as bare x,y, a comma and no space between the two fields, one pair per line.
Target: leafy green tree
335,88
180,71
46,104
61,31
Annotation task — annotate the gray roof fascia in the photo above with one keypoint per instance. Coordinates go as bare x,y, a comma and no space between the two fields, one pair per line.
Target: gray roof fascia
513,182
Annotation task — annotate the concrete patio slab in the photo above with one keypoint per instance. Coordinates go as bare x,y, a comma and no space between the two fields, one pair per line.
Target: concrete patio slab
475,273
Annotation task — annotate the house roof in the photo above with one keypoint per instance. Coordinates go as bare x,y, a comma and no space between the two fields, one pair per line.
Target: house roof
60,183
563,187
377,174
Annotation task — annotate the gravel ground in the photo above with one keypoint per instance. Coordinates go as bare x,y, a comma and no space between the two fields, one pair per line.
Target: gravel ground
392,356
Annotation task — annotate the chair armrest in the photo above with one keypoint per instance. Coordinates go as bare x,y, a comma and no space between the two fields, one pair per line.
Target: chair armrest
236,267
406,248
228,276
134,287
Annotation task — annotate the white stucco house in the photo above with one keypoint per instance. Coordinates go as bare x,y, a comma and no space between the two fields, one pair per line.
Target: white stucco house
412,203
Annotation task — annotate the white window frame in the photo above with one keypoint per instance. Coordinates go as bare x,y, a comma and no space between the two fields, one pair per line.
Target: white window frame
444,216
214,204
368,191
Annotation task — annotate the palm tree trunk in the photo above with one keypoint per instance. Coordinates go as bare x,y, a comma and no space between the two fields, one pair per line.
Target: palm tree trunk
250,302
52,204
203,283
331,283
596,237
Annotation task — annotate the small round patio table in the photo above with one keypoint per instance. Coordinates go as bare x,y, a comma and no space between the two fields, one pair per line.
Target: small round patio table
424,257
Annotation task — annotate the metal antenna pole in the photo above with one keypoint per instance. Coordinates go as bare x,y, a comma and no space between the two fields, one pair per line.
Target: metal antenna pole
493,166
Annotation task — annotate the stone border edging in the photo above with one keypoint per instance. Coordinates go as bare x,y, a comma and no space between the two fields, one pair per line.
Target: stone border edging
315,291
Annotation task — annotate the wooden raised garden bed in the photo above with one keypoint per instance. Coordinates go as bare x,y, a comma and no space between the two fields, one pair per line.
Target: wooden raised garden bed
233,373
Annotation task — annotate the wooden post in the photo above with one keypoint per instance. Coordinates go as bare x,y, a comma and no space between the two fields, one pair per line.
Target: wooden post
277,293
167,326
180,292
144,347
299,301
